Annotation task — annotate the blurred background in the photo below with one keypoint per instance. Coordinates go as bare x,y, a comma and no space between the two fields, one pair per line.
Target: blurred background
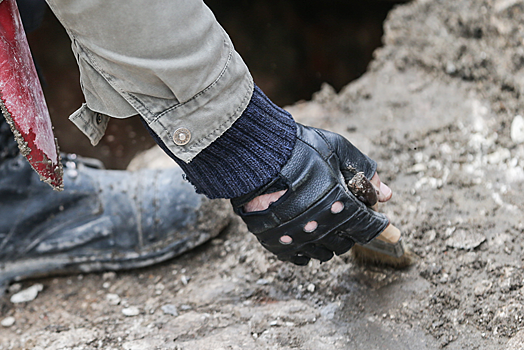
290,46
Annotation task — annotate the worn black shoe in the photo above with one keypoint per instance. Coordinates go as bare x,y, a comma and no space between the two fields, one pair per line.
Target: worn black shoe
103,220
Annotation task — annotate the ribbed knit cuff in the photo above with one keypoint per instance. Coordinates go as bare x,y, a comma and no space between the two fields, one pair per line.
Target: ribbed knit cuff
248,155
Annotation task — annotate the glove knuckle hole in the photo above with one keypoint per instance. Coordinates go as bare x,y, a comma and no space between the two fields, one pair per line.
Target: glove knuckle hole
337,207
285,240
310,226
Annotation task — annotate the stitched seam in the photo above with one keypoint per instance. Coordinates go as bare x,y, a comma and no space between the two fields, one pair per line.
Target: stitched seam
215,82
217,131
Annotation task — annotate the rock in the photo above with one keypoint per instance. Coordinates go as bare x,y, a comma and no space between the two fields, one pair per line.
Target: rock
310,288
8,322
131,311
482,287
328,311
109,276
113,299
185,280
499,156
28,294
185,307
170,309
431,235
465,240
15,288
517,129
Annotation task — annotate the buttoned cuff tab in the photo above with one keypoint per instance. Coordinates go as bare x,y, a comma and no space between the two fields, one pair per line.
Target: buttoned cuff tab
189,127
92,124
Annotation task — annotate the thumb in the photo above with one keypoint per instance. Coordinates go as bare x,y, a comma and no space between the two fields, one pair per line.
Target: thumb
384,193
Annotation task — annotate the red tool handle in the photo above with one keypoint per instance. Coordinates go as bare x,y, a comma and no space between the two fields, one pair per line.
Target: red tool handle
22,99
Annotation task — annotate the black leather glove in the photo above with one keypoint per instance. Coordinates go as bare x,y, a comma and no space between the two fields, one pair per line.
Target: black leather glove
315,177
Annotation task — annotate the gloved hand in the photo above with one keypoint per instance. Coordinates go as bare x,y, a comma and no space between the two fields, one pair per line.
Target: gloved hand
318,215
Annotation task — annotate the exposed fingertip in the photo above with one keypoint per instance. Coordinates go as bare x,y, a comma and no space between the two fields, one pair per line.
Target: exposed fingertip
385,193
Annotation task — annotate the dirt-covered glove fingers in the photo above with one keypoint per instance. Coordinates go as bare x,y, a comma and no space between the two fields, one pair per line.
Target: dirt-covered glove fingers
351,159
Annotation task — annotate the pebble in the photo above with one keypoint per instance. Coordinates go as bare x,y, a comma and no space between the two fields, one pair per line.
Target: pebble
517,129
15,288
310,288
170,309
109,276
8,322
185,280
465,240
482,287
28,294
131,311
113,299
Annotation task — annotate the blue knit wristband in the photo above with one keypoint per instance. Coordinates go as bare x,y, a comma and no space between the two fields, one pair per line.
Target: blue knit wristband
247,156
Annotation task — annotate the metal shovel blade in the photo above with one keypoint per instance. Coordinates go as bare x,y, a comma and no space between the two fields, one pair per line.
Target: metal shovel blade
22,99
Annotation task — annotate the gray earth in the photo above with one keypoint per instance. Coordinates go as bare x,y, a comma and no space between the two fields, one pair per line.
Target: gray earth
438,109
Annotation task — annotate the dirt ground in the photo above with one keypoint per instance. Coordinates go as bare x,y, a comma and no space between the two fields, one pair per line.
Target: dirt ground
438,110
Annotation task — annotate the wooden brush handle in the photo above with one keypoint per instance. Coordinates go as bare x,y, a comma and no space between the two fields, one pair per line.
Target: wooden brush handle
391,234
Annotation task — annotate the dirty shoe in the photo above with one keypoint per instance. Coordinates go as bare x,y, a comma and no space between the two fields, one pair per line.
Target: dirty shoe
103,220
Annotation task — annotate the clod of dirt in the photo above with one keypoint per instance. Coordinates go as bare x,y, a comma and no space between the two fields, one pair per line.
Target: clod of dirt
362,188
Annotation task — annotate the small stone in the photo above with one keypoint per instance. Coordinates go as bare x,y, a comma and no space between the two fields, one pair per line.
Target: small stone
131,311
262,282
465,240
431,235
185,280
482,287
28,294
170,309
109,276
185,307
328,311
8,322
15,288
113,299
310,288
451,68
417,168
517,129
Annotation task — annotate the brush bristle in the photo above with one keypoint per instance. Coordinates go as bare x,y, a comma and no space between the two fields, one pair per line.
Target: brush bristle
365,256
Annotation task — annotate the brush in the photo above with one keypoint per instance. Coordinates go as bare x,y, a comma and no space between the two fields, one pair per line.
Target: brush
387,249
